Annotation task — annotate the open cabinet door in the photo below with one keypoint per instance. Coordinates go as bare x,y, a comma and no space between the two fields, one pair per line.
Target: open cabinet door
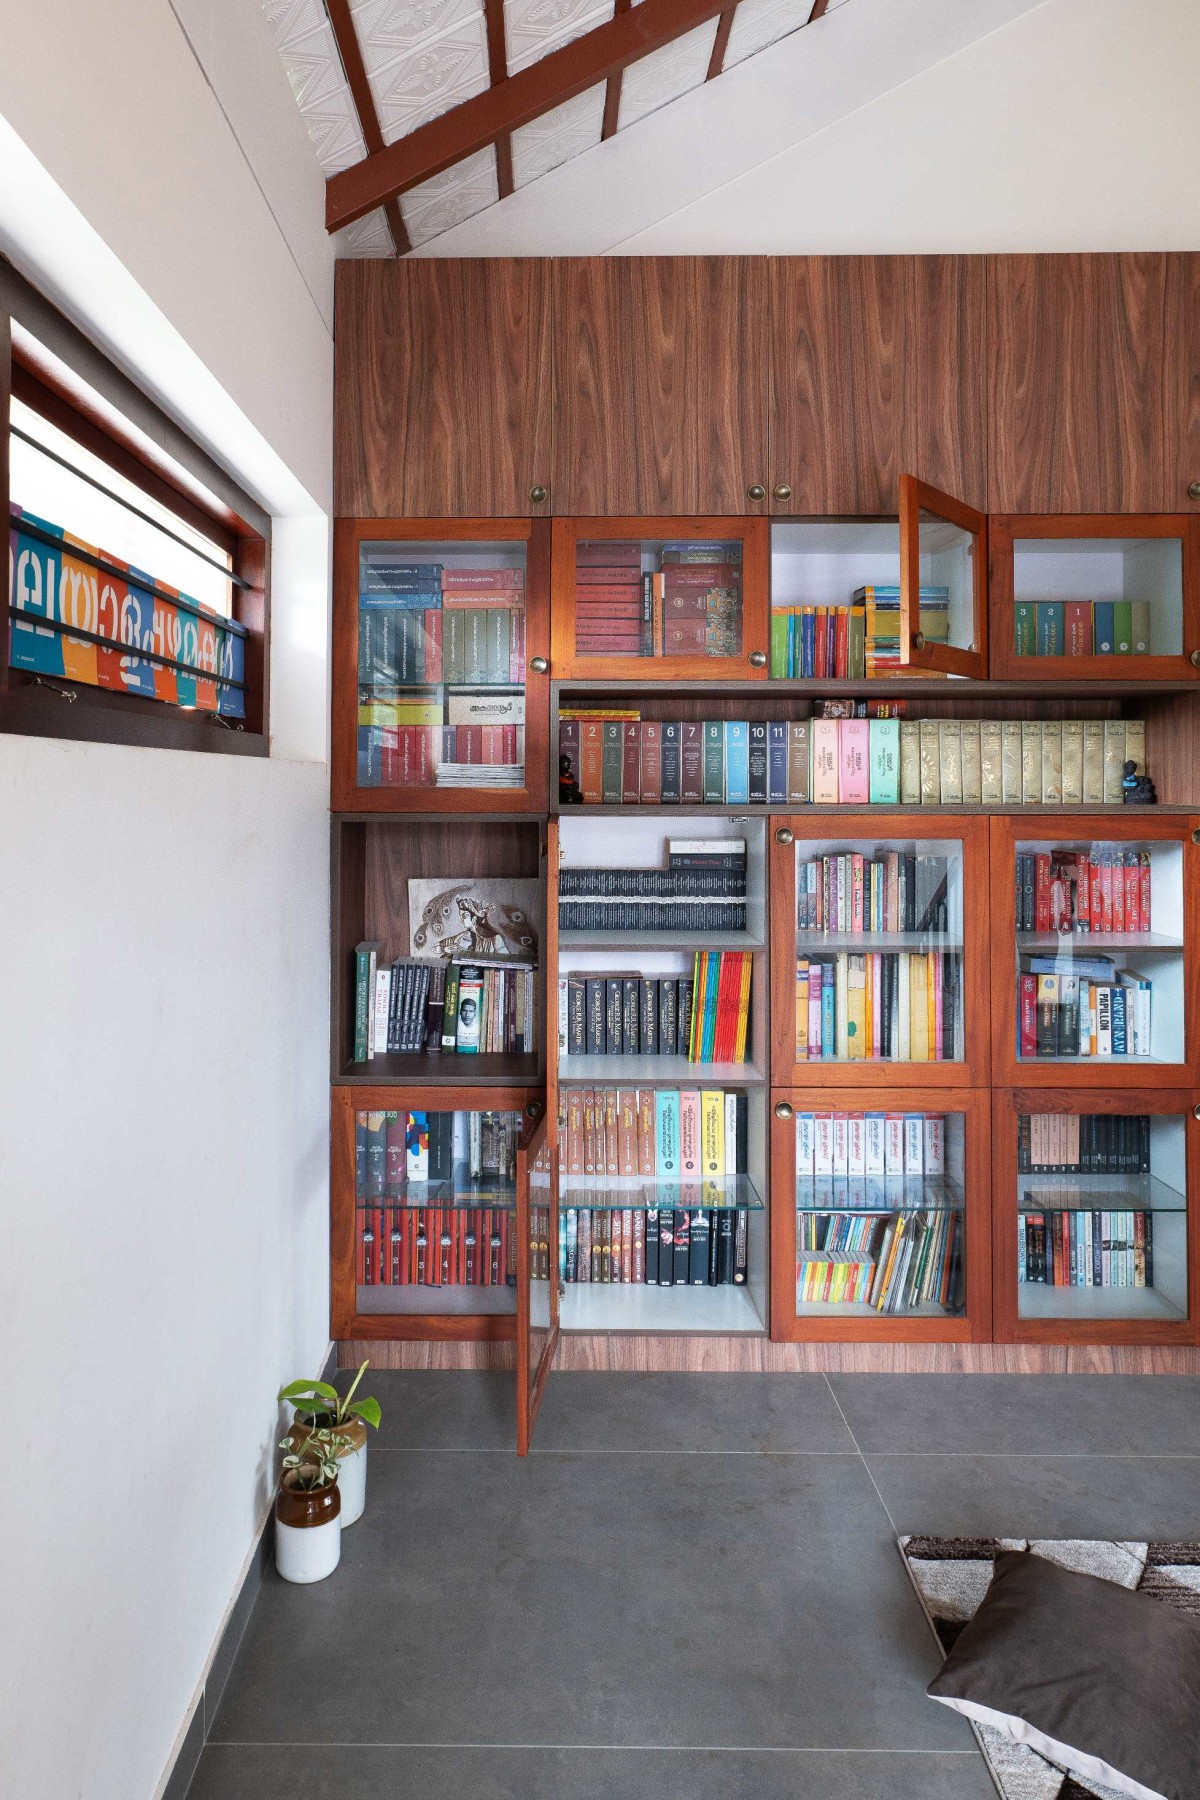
943,548
537,1271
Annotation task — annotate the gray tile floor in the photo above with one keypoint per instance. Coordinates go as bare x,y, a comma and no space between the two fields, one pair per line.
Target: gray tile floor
689,1591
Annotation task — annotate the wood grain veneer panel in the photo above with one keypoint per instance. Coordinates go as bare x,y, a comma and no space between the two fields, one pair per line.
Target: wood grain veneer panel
443,387
752,1355
950,363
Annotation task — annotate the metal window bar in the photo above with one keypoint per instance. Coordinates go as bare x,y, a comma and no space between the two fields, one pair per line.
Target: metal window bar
143,582
39,622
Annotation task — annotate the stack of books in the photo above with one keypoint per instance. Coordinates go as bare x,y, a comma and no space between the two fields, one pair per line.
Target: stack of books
436,1246
1083,1143
703,888
882,607
894,890
409,1006
624,1013
690,606
659,1247
608,599
1082,627
1083,1246
897,1262
410,1158
888,1006
1082,1006
1107,888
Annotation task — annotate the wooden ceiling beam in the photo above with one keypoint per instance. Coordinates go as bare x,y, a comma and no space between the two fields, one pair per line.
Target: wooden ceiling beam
819,7
479,122
716,61
493,12
612,90
350,51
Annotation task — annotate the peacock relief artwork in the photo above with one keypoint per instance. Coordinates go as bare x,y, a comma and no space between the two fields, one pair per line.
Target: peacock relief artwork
467,919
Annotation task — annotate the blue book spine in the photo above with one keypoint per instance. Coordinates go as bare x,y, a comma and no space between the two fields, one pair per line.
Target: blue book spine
808,643
791,646
737,762
711,985
401,600
828,1012
777,761
666,1133
1020,1246
1120,1041
1104,628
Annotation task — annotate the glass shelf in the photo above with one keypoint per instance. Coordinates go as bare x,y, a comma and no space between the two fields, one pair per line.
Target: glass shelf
650,1193
878,1194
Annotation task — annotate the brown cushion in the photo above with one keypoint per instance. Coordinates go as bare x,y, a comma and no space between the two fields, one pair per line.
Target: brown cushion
1103,1682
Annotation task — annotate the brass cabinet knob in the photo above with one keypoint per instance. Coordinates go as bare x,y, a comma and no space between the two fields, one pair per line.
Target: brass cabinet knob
1196,1112
783,1110
919,641
783,835
782,490
534,1108
538,493
1196,837
538,665
758,659
1195,659
756,491
1194,490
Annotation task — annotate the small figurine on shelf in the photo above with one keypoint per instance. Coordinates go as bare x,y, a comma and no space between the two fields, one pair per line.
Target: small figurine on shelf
1137,790
568,787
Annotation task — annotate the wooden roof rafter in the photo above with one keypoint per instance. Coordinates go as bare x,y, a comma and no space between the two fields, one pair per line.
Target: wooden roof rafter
350,51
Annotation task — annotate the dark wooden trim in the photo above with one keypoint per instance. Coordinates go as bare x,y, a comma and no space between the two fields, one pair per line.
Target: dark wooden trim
612,91
716,61
525,96
493,12
818,10
917,497
350,51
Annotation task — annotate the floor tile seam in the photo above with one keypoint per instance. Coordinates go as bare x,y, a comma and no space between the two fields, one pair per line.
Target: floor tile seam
590,1450
866,1465
1183,1456
589,1749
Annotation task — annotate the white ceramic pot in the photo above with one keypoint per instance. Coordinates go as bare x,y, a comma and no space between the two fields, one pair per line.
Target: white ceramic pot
308,1530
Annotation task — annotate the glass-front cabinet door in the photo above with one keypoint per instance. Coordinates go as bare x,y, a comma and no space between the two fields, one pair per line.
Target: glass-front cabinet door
886,933
1092,976
537,1272
880,1215
943,582
440,665
647,599
1094,1238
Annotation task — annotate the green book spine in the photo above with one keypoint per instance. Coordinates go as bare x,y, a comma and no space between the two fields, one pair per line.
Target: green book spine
1023,615
476,618
714,762
1123,627
779,646
885,761
611,763
497,643
362,975
1050,639
856,650
454,644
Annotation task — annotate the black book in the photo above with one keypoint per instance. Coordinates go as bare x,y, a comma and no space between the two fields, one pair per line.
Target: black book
576,1015
714,1240
648,1015
1144,1169
441,1146
435,1008
594,997
668,1016
1029,907
612,1015
725,1223
630,998
757,763
682,1257
612,761
672,766
741,1122
1023,1142
376,1159
666,1247
741,1246
647,631
652,1247
699,1230
683,1024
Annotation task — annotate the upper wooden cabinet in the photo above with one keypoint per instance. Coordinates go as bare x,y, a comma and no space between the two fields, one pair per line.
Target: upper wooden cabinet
1183,397
661,382
1085,410
443,389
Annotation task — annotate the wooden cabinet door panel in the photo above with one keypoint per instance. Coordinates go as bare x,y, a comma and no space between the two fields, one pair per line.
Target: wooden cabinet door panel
661,385
443,388
1078,384
949,316
1183,397
841,379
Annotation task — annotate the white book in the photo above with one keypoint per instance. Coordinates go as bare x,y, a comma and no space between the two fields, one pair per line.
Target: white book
805,1146
823,1144
562,1014
873,1144
857,1150
842,1005
935,1144
379,1016
1103,1020
903,1003
841,1144
914,1144
731,1143
893,1138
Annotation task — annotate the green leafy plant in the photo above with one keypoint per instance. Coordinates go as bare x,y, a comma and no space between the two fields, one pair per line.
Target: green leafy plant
314,1464
316,1401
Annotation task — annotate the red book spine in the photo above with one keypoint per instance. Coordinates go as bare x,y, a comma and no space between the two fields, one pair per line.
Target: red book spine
421,1245
433,644
841,653
1106,896
631,762
1144,908
1097,908
1133,909
360,1248
1077,627
1041,893
1118,892
820,634
651,762
1083,893
389,760
1028,1020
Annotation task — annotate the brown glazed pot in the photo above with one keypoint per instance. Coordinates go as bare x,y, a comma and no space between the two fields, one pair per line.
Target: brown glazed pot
305,1507
308,1530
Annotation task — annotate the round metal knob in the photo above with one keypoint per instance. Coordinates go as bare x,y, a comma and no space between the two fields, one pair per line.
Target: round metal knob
919,641
782,491
1195,659
783,1110
1196,837
756,491
538,494
758,659
1194,490
533,1109
783,835
538,665
1196,1112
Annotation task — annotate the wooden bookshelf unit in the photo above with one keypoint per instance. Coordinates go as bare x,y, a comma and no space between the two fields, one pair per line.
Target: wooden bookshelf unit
893,1089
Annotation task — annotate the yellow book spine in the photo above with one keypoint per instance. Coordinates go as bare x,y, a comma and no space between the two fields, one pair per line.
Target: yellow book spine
802,1011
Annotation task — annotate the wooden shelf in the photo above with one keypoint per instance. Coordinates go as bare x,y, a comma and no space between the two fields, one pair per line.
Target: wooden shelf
929,687
432,1070
657,1071
903,809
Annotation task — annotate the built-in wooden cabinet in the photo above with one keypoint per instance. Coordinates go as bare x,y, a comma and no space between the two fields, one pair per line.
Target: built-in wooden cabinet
660,379
444,388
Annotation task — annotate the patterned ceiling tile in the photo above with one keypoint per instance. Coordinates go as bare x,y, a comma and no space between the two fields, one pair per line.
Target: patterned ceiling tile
366,237
535,27
757,23
667,73
451,197
435,75
557,136
314,68
388,29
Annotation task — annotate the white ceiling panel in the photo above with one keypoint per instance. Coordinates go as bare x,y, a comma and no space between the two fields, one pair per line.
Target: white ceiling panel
314,68
449,198
558,136
757,23
366,237
418,85
388,29
666,74
535,27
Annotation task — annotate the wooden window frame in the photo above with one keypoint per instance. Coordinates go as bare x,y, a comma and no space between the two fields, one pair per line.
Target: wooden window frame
37,706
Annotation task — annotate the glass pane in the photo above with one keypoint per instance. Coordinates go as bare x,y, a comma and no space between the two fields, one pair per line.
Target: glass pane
835,599
658,597
435,1200
1099,951
541,1252
880,1225
1101,1216
1098,597
441,665
879,948
948,555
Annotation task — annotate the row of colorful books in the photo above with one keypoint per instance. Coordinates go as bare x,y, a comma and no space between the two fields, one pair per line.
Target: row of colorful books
1088,1007
405,744
1081,627
1083,1143
690,606
436,1246
605,1013
612,757
703,888
465,1008
1103,889
895,1263
659,1247
687,1136
426,1156
891,891
854,641
875,1144
890,1005
1097,1248
426,622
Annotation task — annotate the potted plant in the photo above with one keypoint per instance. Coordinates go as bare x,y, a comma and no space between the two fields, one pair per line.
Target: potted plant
308,1507
319,1406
